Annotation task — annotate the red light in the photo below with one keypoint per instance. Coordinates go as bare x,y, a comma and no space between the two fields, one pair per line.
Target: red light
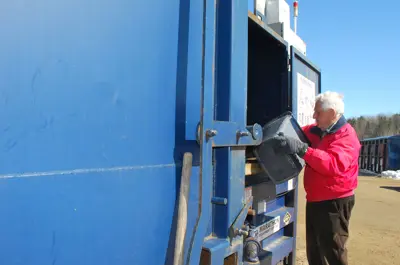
296,8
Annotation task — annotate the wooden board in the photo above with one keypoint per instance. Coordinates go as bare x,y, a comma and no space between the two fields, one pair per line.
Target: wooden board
252,169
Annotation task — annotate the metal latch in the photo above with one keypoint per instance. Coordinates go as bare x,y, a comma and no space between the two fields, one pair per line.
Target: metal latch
224,134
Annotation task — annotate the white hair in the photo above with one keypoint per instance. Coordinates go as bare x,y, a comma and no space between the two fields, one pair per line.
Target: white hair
331,100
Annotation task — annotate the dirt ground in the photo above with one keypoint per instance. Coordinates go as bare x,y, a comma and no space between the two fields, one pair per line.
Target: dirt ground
374,225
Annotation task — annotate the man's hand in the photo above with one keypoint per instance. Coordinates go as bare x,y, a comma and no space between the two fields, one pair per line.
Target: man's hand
288,145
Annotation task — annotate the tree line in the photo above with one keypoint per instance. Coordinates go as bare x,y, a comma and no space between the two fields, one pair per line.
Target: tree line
376,126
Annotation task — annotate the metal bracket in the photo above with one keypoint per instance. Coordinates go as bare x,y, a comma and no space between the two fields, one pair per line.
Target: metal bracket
236,228
224,134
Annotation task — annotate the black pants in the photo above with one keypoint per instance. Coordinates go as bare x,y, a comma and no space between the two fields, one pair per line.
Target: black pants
327,230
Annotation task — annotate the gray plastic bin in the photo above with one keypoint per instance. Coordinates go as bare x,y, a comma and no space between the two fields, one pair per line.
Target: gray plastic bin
280,168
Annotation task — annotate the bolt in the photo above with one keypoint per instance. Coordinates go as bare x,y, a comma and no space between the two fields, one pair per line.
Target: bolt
243,232
211,133
243,133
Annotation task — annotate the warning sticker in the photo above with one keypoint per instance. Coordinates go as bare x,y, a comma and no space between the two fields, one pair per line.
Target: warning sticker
267,229
286,218
305,100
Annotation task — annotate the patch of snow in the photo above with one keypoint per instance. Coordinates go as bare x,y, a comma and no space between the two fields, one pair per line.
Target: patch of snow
391,174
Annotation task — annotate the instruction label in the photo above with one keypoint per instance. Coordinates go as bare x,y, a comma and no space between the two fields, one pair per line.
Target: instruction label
305,100
267,229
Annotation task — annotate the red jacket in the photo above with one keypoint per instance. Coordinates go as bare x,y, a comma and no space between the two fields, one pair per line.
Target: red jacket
331,170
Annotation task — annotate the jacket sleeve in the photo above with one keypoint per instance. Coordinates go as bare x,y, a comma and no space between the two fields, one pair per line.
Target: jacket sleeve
341,154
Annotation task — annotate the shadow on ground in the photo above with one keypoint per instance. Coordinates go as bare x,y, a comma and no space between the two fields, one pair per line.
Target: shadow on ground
367,173
391,188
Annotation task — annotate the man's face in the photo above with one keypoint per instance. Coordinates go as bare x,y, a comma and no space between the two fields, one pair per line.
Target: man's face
323,118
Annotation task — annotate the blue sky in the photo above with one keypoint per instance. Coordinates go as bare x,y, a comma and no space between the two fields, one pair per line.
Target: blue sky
355,43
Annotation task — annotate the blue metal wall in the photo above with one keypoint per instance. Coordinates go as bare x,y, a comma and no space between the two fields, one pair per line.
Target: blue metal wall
394,153
92,94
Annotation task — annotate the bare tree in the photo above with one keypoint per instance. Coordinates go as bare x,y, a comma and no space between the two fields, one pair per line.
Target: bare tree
375,126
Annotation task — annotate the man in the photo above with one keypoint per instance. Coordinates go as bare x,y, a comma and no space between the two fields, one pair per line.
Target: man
330,178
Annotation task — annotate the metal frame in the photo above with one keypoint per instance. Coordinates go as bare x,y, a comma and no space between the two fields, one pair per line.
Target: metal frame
223,198
206,171
295,56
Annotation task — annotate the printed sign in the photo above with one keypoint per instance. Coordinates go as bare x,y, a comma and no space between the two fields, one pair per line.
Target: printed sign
267,229
305,100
